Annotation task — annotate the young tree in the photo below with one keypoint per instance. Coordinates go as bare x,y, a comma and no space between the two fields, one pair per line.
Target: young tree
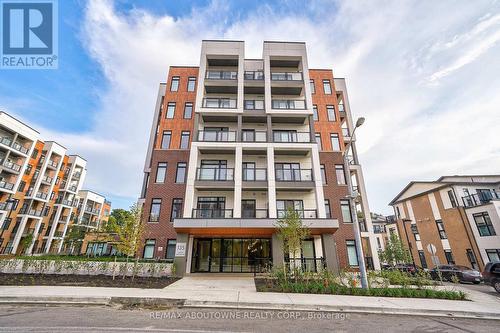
395,252
129,231
74,237
292,232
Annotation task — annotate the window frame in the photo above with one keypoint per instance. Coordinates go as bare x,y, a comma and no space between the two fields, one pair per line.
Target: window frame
441,229
351,243
163,139
346,204
155,202
176,79
340,180
452,198
185,108
190,80
331,115
328,209
327,83
315,113
161,166
312,86
183,136
169,104
174,203
323,174
170,242
146,245
317,136
177,172
487,224
449,257
337,143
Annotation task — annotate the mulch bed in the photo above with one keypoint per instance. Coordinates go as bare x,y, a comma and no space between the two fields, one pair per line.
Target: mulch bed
84,281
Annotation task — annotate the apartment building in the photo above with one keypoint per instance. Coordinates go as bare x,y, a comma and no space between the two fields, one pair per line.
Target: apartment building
39,186
458,216
237,142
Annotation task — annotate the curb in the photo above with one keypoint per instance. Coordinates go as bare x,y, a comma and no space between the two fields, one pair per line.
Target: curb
182,303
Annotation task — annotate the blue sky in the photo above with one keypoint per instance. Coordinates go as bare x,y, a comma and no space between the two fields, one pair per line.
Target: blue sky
427,83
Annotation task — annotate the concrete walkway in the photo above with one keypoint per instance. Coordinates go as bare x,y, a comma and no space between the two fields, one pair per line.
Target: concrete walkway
239,292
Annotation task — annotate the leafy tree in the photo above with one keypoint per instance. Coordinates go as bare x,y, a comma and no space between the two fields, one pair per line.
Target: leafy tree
26,242
116,219
74,237
292,232
128,230
395,252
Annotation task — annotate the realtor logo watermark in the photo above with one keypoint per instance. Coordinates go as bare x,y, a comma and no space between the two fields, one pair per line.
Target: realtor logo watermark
28,34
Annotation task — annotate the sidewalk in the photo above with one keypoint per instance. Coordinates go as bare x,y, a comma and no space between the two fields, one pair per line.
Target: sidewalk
240,293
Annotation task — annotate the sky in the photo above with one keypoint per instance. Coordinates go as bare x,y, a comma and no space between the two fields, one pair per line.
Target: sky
424,74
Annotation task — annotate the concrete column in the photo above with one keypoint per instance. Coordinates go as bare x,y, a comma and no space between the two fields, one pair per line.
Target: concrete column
180,262
269,128
239,129
191,176
330,253
66,225
18,235
54,228
278,253
311,127
238,165
271,191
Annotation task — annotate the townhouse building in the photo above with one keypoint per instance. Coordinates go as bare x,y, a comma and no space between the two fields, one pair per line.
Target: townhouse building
39,186
453,220
237,142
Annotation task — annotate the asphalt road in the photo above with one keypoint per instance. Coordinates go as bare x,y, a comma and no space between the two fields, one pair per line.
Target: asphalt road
57,319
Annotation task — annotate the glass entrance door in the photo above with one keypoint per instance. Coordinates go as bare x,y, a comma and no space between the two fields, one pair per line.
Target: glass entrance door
202,257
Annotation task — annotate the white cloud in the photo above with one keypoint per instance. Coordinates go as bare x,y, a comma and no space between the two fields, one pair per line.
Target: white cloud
387,51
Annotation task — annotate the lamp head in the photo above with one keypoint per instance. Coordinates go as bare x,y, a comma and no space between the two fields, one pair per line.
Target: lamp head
360,121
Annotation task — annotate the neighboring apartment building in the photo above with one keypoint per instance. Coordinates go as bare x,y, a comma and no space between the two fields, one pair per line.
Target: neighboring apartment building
237,142
39,184
459,215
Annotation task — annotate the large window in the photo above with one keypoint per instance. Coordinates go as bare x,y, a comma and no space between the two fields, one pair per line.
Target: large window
334,138
330,109
176,209
484,225
161,172
165,139
339,172
149,249
345,208
315,112
472,258
184,140
352,255
493,254
327,87
180,176
318,140
170,110
313,89
188,110
154,214
191,84
452,198
328,209
441,231
170,253
423,262
449,257
174,84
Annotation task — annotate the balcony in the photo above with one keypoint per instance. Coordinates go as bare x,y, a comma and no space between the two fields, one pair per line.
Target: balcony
286,76
30,231
221,75
5,185
212,213
254,175
286,104
63,219
253,136
47,180
58,234
91,210
217,136
31,212
76,175
346,133
14,145
52,164
480,198
72,188
302,213
219,103
254,75
254,214
214,174
292,136
294,175
41,195
342,111
64,202
12,166
3,205
253,104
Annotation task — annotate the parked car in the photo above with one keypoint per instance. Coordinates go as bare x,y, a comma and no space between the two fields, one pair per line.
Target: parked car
463,273
491,275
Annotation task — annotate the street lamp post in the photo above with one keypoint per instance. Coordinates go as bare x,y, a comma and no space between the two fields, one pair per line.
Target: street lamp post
354,216
408,240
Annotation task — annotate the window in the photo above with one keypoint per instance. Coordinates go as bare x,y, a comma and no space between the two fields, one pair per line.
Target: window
334,138
483,223
323,174
28,169
191,84
452,199
176,209
398,213
35,153
352,255
161,171
472,258
165,140
493,254
415,232
6,224
339,172
149,249
423,262
174,84
184,140
154,214
313,89
188,110
248,135
328,209
440,226
327,88
318,140
170,110
21,187
170,253
345,208
315,113
330,110
449,257
180,176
